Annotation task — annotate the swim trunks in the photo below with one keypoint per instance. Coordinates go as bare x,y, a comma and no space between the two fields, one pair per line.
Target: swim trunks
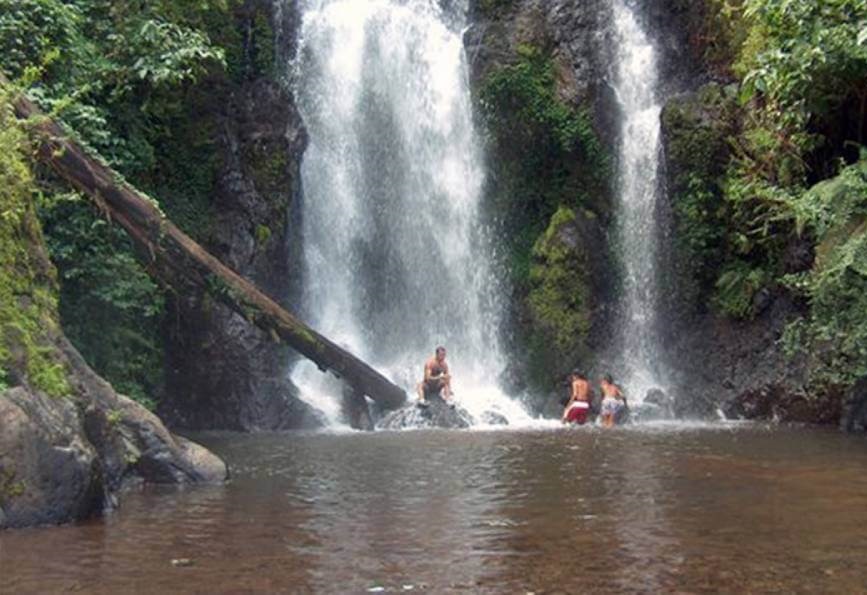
433,388
578,412
611,406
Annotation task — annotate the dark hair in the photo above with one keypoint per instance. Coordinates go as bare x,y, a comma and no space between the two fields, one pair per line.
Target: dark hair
577,374
607,378
439,348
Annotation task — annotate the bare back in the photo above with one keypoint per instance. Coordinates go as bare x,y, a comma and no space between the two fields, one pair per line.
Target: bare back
580,390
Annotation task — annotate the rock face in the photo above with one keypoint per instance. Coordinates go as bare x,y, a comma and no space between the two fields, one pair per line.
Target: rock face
551,198
222,372
49,472
566,304
718,364
570,29
66,458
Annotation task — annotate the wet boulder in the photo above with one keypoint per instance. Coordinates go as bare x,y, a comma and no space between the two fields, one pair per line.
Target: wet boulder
656,406
66,458
492,418
437,414
48,472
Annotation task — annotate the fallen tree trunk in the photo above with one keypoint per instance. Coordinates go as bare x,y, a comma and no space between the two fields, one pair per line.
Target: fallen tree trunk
163,244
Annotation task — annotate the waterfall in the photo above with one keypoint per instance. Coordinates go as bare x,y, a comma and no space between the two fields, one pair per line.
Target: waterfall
396,257
635,85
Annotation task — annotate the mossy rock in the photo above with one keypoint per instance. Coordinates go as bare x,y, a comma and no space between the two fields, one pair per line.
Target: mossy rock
560,300
28,285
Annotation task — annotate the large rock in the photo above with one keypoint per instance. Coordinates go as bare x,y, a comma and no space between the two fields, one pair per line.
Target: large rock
570,29
566,308
66,458
437,414
49,472
555,305
222,372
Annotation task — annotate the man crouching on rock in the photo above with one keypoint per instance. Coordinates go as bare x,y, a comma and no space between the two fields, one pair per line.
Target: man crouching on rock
437,380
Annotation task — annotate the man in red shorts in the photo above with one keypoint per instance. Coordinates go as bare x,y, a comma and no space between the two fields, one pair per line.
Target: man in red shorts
578,408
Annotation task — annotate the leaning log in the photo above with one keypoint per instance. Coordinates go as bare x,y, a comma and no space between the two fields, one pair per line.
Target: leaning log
166,246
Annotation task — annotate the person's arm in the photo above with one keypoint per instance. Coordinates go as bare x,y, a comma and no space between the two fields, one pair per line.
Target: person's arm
445,372
427,372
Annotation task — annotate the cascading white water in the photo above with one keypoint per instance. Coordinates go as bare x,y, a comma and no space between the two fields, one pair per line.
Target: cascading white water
396,258
635,85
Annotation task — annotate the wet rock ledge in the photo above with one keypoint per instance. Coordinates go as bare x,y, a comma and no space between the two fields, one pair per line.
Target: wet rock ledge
67,458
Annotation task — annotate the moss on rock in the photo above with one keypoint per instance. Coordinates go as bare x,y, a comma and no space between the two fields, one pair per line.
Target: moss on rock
560,297
28,287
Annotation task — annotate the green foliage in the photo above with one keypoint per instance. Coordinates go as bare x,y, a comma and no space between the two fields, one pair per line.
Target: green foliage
696,130
812,54
263,234
559,295
835,331
28,304
138,82
736,287
802,115
520,103
801,63
106,65
114,417
547,152
110,307
724,32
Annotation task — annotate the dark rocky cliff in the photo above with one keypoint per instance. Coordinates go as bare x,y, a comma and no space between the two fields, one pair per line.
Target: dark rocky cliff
538,72
222,372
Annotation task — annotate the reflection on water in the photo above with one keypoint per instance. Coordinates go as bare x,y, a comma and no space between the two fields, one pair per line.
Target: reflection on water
702,509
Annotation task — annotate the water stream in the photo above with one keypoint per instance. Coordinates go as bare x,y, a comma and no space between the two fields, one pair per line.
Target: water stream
635,83
396,257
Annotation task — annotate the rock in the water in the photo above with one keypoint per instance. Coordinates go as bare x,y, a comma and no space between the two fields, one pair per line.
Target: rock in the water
656,396
356,410
657,405
437,414
49,473
64,459
492,418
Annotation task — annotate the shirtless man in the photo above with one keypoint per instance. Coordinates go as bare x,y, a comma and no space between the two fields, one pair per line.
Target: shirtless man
437,380
613,401
578,407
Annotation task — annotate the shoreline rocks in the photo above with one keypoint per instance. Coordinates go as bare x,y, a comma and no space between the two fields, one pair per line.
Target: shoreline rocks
67,458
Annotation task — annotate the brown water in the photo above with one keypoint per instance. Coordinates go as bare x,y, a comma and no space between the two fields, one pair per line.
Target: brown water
629,510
